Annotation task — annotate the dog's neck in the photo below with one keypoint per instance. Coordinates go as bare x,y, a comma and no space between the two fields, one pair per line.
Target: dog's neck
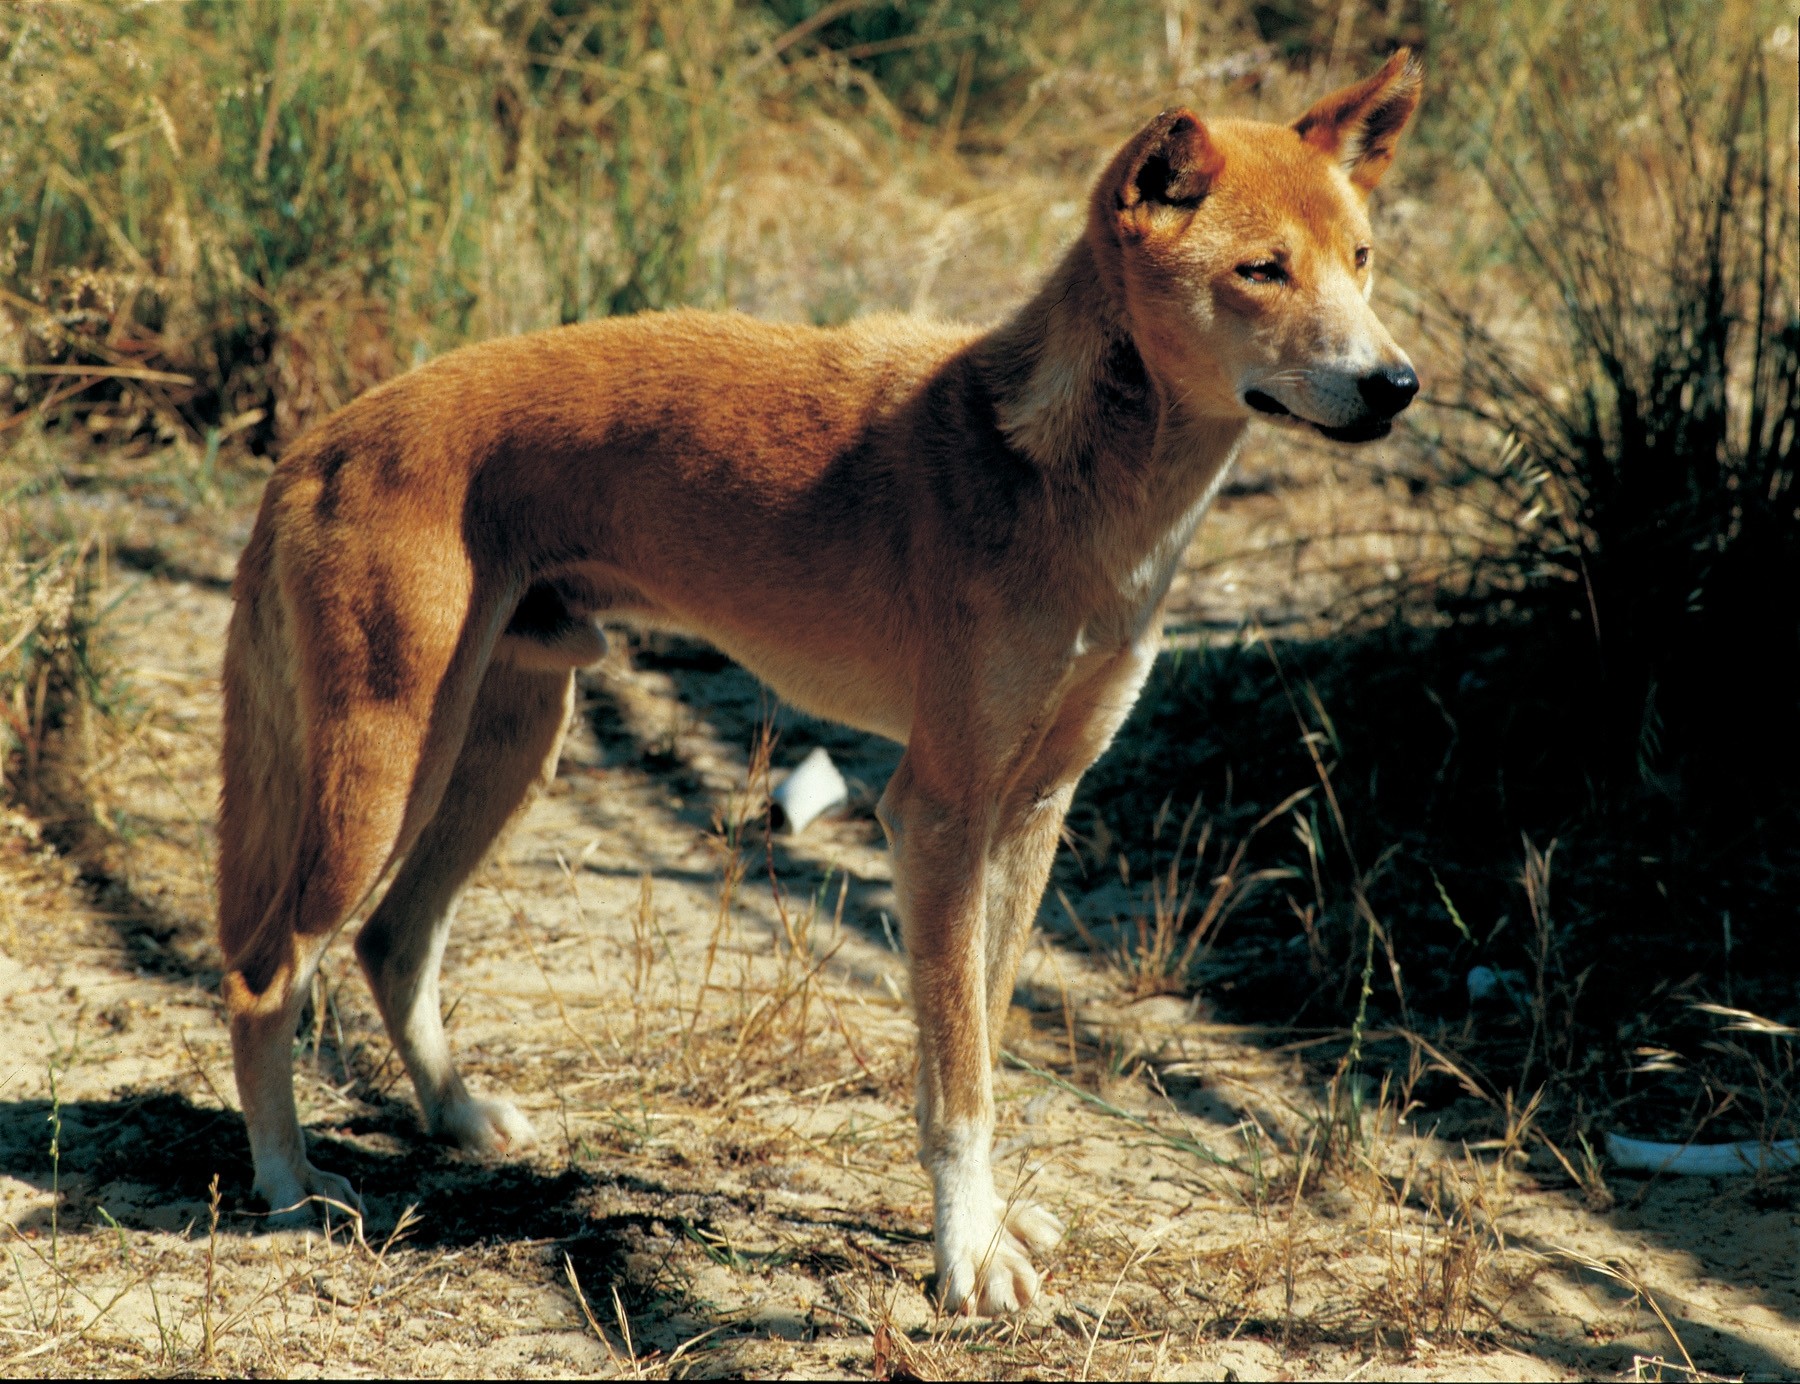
1066,378
1073,394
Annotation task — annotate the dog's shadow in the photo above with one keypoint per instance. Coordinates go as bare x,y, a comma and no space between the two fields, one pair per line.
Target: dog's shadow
149,1163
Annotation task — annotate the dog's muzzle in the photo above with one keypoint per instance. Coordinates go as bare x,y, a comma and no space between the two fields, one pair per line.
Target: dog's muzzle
1384,394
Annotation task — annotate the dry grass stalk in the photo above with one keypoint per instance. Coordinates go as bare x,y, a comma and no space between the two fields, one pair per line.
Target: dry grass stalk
48,686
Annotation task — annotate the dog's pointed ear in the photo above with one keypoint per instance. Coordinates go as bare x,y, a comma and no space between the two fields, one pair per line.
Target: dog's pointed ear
1171,163
1360,125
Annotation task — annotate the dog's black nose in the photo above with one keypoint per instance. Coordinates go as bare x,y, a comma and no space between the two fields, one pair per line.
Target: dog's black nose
1389,390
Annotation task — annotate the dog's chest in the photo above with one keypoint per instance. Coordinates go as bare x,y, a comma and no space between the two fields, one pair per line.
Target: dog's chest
1134,581
1137,553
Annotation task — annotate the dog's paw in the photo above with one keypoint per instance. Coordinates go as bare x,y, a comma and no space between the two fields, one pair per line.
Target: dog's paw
994,1279
304,1195
492,1126
1028,1223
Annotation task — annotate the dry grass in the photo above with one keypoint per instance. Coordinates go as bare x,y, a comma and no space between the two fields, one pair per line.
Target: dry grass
43,658
56,698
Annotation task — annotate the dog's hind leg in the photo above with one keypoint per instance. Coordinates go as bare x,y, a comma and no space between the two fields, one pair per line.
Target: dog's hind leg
262,1035
374,701
515,734
269,968
337,861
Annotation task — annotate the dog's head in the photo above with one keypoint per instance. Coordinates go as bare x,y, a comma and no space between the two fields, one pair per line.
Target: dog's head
1242,253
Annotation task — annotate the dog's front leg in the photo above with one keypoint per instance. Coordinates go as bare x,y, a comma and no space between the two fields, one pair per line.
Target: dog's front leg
940,859
1018,866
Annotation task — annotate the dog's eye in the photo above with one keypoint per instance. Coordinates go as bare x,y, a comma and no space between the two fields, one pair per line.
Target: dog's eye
1362,256
1263,272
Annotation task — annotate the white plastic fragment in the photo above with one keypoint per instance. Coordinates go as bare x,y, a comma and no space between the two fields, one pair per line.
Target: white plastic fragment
1701,1160
814,787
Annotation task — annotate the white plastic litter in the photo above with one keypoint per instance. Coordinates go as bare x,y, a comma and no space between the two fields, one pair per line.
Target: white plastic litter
814,788
1701,1160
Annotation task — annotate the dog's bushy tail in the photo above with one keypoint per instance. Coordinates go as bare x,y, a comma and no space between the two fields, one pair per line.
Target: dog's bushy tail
264,746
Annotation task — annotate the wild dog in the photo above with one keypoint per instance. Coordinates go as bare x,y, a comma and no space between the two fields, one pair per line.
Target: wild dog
958,539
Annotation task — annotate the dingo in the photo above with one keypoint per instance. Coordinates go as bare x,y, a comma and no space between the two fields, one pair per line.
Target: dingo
961,540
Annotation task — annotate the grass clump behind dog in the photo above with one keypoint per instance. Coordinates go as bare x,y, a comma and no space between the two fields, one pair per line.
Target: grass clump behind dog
1639,400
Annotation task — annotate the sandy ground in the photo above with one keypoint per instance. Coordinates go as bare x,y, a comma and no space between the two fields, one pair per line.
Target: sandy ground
719,1078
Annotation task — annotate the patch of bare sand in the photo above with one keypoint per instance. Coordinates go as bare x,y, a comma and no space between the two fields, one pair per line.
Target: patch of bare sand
725,1181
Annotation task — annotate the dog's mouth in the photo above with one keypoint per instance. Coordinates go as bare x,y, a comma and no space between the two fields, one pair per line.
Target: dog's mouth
1367,431
1364,430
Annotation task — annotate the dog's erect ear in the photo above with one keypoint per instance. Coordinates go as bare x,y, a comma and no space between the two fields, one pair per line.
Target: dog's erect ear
1171,163
1360,125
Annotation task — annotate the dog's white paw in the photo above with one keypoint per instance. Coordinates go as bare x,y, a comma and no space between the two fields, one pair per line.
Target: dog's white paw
302,1195
1028,1223
492,1126
991,1279
983,1242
